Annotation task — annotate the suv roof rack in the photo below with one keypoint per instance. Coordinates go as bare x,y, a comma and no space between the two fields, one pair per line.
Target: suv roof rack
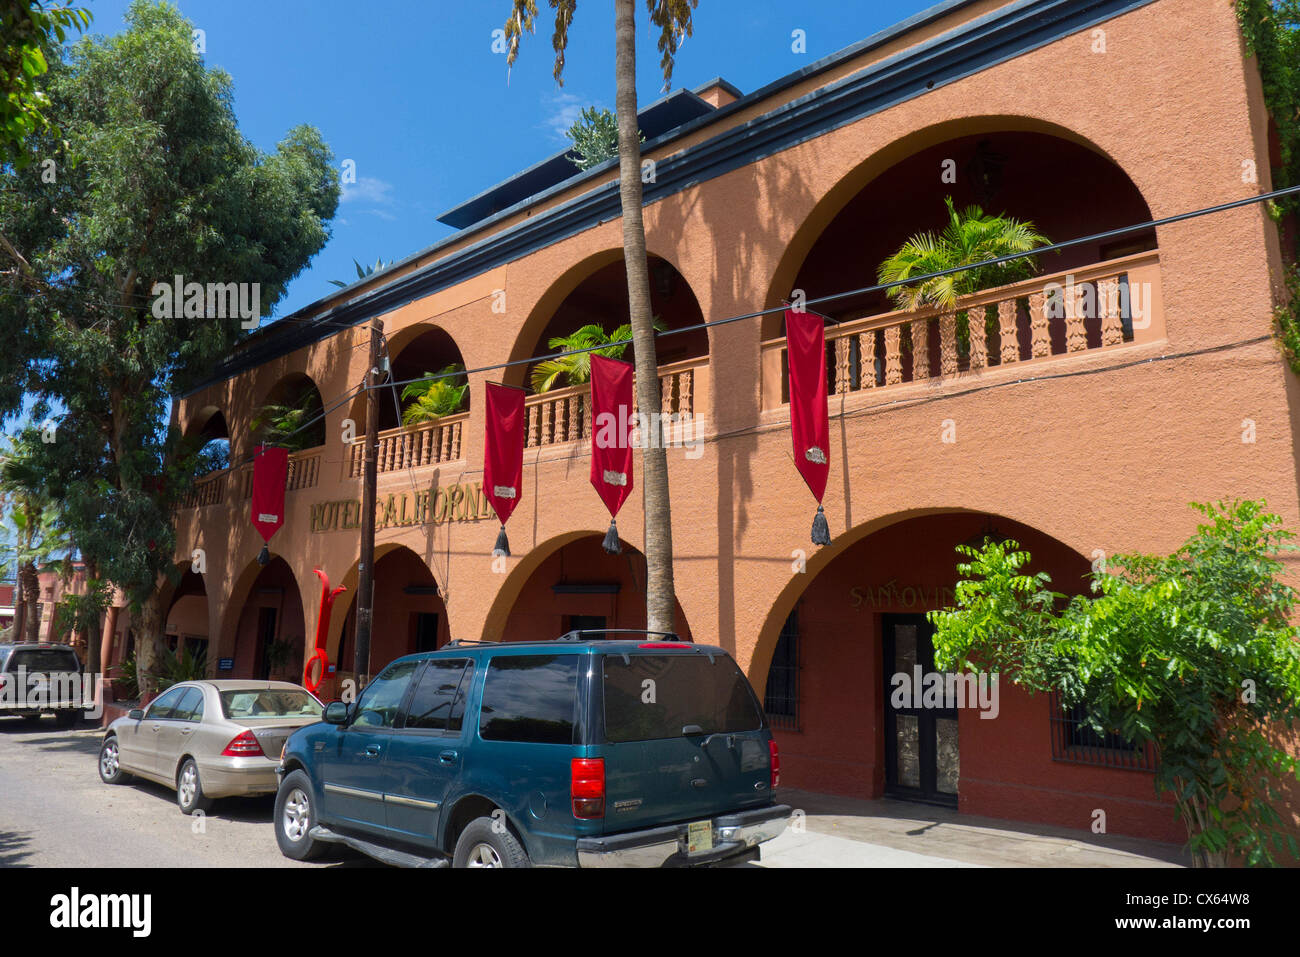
580,633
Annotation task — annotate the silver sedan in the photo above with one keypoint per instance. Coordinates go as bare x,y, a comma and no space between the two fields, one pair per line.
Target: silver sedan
208,739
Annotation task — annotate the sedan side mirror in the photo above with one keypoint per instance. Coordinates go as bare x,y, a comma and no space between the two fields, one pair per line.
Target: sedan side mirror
135,714
336,712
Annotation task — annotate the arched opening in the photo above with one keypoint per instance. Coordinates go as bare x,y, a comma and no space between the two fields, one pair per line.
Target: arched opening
1020,173
211,437
409,613
600,299
845,668
186,619
271,631
421,351
574,584
291,415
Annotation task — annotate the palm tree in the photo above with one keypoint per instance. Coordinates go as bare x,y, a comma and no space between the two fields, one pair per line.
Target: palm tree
576,368
971,236
362,272
283,424
435,395
40,533
674,20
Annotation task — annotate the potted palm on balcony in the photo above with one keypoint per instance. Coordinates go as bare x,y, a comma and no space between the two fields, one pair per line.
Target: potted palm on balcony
971,236
435,395
576,369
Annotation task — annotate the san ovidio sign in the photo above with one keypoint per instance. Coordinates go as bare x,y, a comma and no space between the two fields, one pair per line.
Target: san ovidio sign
434,506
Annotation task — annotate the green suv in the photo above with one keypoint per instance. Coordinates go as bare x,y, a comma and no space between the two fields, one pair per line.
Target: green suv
600,749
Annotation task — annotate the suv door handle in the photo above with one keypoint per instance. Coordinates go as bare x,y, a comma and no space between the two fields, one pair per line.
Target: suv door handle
372,751
447,757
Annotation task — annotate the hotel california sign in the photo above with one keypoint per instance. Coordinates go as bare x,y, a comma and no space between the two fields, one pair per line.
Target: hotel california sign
434,506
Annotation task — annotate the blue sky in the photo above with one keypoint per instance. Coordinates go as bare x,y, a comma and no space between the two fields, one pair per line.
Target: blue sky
412,92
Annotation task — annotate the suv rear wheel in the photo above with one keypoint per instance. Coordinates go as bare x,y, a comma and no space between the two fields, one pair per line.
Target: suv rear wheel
487,843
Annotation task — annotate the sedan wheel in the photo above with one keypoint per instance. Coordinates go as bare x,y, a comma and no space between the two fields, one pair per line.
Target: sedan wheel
189,792
110,763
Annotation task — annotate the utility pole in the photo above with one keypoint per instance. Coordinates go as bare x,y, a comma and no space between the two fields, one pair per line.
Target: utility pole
366,567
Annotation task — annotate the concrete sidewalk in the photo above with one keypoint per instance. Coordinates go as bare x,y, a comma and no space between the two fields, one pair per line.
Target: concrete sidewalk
845,832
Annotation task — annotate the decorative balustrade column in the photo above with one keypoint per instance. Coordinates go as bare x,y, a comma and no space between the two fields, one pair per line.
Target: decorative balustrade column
1112,330
920,349
867,360
977,324
1008,335
841,365
546,421
1076,333
1040,325
533,415
948,344
893,355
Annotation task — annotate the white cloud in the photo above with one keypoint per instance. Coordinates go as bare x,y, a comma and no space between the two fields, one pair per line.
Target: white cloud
368,189
563,110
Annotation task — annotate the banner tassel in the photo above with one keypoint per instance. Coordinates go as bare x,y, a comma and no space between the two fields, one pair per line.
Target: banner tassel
502,547
611,543
264,556
821,531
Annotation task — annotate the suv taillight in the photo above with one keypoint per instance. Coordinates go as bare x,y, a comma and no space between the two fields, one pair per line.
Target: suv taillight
776,763
587,787
243,746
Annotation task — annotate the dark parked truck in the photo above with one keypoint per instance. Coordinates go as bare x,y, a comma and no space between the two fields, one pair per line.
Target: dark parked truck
41,678
595,750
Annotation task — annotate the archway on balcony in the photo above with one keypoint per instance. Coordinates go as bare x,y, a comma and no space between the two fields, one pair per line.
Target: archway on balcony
210,434
294,401
595,292
414,352
1066,187
571,583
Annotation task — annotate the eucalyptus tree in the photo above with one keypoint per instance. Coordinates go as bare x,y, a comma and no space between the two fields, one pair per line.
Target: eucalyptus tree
156,192
674,21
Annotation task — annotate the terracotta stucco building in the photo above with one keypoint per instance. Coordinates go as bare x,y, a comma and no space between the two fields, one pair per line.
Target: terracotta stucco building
1082,424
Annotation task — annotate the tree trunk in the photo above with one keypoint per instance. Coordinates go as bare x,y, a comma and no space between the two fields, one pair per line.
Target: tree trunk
148,648
660,597
31,586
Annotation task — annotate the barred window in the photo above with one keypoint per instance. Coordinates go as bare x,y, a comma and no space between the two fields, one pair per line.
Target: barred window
781,698
1075,741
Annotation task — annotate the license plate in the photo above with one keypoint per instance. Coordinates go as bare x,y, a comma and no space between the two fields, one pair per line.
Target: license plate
699,837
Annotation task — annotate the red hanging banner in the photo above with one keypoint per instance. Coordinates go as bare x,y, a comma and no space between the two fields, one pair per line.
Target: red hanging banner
270,470
611,442
503,455
805,338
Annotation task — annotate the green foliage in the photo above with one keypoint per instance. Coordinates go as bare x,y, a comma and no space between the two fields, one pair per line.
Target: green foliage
971,236
1192,652
594,138
154,180
128,678
29,33
287,424
435,395
576,369
173,667
674,18
1272,32
362,272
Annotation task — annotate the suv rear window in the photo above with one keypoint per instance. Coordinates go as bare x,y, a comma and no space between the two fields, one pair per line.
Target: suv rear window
43,660
530,698
655,696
